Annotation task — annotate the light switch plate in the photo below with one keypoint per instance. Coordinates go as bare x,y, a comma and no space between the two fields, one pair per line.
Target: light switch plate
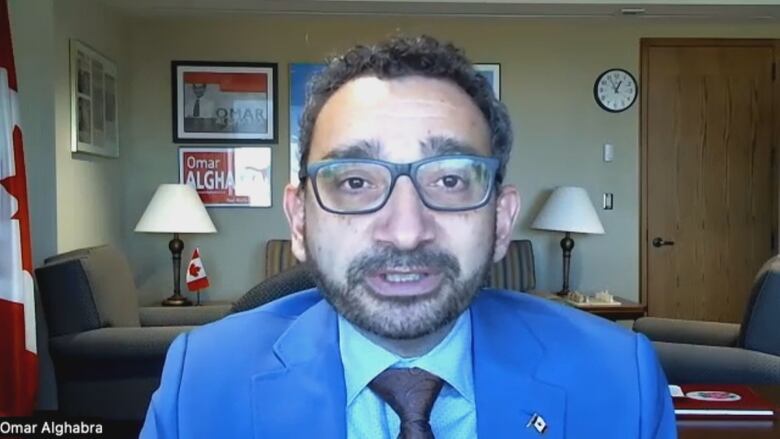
609,152
608,199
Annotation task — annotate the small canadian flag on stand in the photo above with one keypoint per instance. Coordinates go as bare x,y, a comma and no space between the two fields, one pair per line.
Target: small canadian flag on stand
196,274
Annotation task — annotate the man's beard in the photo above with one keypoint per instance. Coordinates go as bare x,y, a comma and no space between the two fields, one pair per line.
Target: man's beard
401,317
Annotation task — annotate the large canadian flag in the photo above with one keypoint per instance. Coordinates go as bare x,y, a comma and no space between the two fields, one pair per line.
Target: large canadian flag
18,359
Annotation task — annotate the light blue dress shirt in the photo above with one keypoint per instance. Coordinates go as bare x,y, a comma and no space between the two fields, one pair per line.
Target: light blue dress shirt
454,412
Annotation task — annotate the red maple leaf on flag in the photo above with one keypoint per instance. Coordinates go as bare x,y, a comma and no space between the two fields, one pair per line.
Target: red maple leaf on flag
194,270
16,186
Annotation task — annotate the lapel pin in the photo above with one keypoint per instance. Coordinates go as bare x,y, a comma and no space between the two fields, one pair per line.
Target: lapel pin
538,423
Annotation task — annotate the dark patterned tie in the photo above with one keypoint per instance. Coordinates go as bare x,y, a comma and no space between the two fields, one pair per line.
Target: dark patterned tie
411,394
196,108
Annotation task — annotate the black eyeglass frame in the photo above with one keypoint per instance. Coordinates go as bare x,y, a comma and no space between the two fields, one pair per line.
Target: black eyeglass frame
397,170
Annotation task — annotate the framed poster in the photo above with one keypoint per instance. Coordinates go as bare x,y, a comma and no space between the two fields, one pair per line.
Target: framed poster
491,72
224,102
300,74
93,102
228,176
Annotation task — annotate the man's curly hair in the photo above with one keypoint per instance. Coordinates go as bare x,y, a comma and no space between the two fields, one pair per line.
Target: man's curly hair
401,57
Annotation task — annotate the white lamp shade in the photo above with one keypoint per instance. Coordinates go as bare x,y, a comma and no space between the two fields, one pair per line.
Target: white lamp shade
569,209
175,208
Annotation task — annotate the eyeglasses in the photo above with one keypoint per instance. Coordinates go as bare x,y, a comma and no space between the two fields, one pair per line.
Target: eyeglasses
445,183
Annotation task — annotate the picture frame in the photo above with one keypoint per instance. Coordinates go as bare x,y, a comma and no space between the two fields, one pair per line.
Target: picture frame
491,72
228,176
300,75
94,108
224,102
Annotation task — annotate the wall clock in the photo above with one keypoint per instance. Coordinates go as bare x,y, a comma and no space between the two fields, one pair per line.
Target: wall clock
615,90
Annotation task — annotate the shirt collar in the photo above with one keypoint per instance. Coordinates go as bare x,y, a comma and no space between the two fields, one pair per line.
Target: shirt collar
450,359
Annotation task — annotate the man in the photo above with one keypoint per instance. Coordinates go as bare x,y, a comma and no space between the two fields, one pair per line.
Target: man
195,111
200,113
400,212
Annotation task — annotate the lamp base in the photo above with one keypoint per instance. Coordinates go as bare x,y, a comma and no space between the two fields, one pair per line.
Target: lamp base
567,244
563,293
177,300
176,246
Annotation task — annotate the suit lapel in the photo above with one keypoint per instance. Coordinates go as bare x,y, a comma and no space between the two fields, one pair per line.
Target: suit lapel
305,396
506,357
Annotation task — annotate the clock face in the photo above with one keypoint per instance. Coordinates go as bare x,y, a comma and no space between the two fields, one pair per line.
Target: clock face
615,90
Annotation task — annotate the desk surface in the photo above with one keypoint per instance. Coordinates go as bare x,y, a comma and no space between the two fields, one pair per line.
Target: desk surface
737,429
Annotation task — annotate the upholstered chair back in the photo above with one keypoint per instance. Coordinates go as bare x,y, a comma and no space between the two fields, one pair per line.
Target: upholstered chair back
760,330
87,289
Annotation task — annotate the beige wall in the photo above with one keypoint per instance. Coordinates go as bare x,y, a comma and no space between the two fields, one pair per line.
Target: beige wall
89,194
547,68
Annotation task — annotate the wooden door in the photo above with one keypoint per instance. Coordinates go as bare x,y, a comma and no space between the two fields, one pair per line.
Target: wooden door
708,182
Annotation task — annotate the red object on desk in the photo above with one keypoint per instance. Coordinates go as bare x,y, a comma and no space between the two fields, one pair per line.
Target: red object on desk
721,401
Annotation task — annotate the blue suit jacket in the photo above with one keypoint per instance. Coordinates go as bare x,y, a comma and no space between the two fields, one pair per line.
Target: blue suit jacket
276,372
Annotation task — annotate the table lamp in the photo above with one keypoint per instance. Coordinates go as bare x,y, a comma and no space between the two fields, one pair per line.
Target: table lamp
175,208
568,210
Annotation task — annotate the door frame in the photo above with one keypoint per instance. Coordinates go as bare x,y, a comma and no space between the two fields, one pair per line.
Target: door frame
645,44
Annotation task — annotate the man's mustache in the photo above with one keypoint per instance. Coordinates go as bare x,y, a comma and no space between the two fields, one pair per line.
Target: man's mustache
389,257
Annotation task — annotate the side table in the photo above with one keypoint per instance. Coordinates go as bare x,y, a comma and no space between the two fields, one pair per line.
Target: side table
627,310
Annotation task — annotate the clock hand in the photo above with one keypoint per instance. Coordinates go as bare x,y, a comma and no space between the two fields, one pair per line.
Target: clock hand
617,87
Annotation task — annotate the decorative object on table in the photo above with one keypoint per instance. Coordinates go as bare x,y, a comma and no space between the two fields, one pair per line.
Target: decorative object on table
224,102
228,177
196,274
719,401
568,210
601,298
576,297
175,208
491,72
615,90
93,102
604,297
300,75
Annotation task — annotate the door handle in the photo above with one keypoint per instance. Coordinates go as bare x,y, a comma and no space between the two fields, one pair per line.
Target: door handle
659,242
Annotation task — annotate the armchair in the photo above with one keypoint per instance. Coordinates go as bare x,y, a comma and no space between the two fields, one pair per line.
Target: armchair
711,352
107,351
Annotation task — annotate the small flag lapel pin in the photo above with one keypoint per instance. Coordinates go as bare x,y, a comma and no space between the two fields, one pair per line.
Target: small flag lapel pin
538,423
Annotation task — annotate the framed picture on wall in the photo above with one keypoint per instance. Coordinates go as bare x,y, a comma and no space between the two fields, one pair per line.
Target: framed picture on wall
228,176
300,74
224,102
94,127
491,72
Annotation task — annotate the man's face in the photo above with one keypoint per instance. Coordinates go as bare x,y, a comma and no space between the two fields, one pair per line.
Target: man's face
199,89
405,270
